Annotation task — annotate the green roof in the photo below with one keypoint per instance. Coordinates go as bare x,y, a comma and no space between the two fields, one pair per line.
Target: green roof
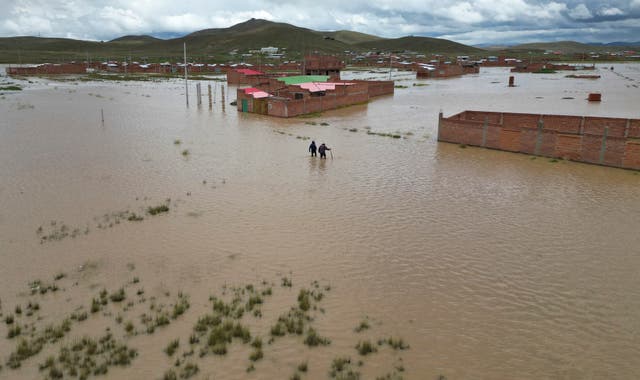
303,79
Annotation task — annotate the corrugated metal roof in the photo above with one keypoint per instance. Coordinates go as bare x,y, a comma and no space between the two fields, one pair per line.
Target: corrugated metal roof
249,72
303,79
317,87
256,93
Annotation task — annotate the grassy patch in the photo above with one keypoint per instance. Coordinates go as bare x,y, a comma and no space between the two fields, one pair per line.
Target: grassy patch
172,347
157,209
365,348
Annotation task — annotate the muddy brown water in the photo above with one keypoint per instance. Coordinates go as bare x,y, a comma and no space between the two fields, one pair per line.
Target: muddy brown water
490,265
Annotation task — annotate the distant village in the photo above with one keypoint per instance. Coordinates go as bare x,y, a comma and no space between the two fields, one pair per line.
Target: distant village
272,85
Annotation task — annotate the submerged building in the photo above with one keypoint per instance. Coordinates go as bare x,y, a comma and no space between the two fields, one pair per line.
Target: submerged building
299,95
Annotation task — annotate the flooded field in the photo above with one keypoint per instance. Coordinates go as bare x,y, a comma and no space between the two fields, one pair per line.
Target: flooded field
195,243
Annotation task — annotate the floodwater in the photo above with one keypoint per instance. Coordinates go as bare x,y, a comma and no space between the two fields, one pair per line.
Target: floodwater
489,265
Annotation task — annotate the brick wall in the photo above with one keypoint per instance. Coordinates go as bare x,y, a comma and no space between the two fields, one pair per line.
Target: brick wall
569,137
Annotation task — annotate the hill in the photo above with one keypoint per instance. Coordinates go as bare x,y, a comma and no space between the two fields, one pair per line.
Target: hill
134,39
567,47
418,44
349,37
218,44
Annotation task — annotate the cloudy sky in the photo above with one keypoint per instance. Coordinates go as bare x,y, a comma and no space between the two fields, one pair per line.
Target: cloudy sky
465,21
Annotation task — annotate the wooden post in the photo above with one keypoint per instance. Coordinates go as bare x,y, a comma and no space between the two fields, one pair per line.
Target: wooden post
186,86
222,96
199,94
102,115
209,92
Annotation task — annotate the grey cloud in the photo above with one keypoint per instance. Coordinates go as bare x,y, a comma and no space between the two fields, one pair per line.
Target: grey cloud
466,21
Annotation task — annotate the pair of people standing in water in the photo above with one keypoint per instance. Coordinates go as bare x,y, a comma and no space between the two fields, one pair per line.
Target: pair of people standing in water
322,149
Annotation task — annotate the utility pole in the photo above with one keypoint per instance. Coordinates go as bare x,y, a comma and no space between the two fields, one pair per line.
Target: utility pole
186,86
389,66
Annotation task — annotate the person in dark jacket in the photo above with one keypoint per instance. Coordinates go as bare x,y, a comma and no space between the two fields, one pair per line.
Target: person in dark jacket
322,150
312,148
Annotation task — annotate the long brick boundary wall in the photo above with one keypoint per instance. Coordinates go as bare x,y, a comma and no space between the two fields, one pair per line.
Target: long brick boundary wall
595,140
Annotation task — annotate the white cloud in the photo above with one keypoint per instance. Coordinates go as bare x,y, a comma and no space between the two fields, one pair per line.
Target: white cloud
463,12
613,11
581,12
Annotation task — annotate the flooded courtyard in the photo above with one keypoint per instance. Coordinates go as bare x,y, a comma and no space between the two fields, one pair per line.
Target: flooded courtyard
452,263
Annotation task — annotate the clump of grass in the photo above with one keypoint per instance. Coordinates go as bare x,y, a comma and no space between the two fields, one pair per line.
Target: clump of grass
256,355
135,217
463,146
295,376
170,375
158,209
180,307
189,370
177,142
311,122
400,86
186,152
172,347
118,296
341,369
364,325
286,282
365,348
303,367
353,129
553,160
9,319
79,316
313,339
324,124
59,276
395,343
14,331
303,300
128,327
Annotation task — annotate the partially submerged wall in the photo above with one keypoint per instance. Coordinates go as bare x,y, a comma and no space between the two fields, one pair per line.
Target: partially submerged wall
596,140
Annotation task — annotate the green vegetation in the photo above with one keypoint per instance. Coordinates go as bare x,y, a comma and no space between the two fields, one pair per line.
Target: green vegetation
172,347
364,325
11,88
118,296
341,369
157,209
365,348
395,343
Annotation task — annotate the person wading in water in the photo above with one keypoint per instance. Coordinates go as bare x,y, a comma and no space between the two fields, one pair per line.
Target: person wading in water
312,148
322,150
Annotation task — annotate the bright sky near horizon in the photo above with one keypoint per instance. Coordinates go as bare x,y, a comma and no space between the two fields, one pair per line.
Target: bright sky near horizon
466,21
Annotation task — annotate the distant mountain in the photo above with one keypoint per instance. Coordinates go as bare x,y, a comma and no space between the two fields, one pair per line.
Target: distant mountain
135,39
617,43
218,43
572,46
